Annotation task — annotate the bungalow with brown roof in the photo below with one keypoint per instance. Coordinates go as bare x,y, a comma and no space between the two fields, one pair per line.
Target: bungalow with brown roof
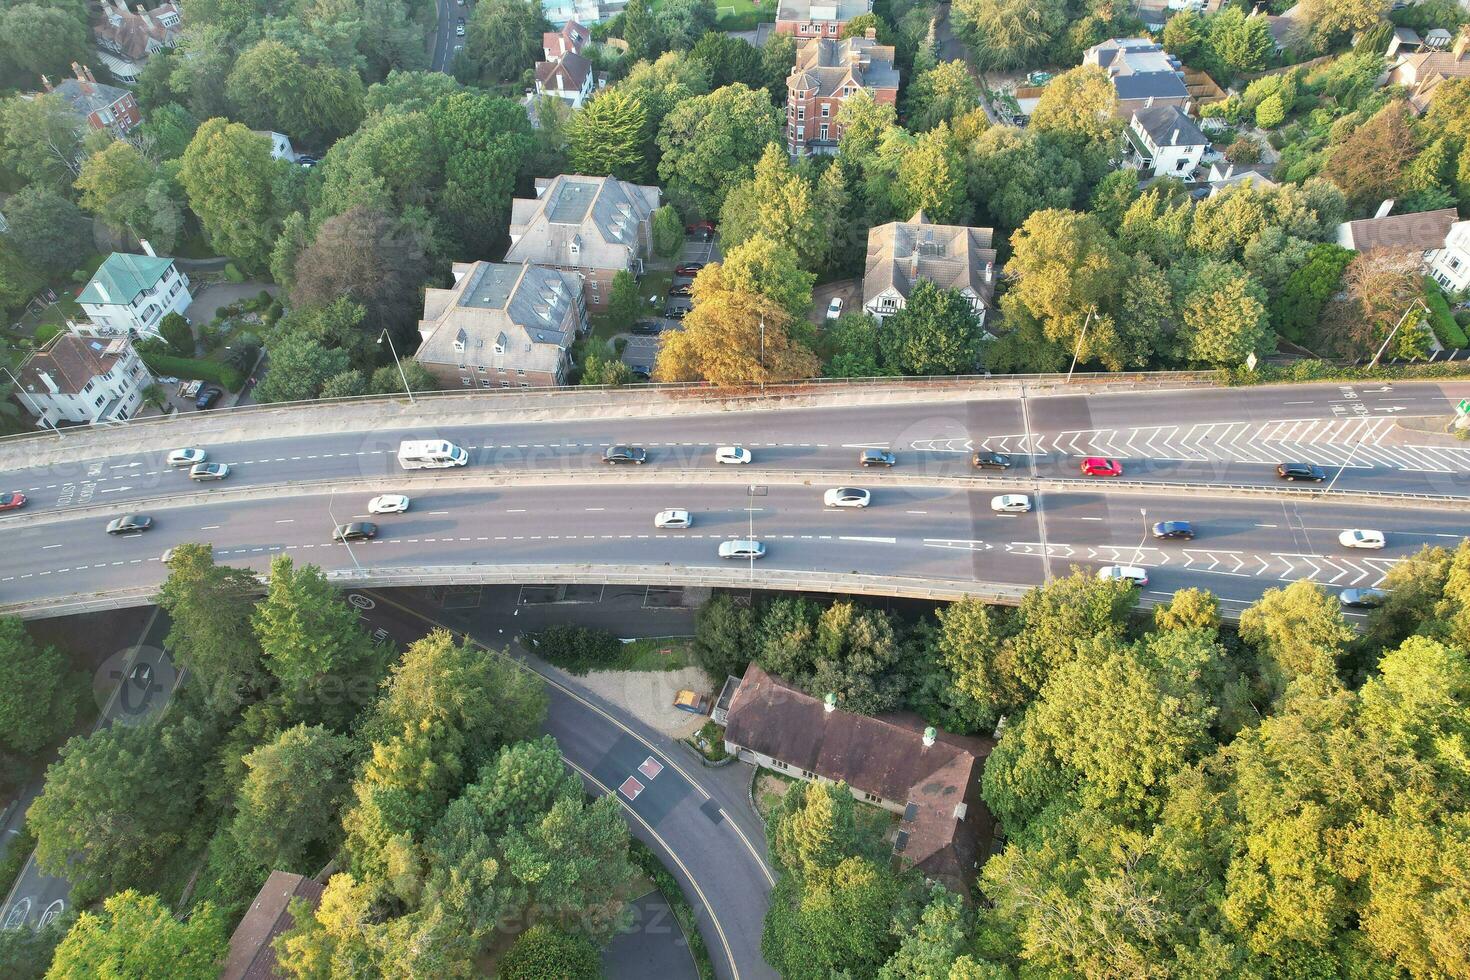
930,778
1420,232
252,955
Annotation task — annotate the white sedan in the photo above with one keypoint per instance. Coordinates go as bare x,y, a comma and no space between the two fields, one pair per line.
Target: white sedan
742,548
1131,574
847,497
388,503
734,455
1010,503
187,457
672,518
834,308
1360,538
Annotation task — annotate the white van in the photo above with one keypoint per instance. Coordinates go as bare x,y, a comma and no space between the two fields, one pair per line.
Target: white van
430,454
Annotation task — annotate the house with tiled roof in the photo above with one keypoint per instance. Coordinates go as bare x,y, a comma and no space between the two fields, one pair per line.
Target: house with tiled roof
501,326
818,18
252,955
83,380
901,253
134,293
1142,72
594,227
826,72
929,778
1421,232
1164,141
566,73
1424,70
126,39
97,106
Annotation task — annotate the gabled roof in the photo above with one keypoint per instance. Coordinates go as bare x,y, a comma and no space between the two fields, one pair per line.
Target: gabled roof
529,312
1168,125
571,70
1139,68
130,33
124,276
603,216
251,955
70,362
811,11
824,65
87,97
1419,231
901,253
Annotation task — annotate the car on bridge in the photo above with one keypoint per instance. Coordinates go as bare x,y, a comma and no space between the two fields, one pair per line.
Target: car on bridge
876,457
12,501
1132,574
984,459
742,548
1362,538
130,524
672,519
388,503
625,454
1362,598
1300,471
846,497
1011,503
355,531
203,472
1172,530
1098,466
732,455
187,457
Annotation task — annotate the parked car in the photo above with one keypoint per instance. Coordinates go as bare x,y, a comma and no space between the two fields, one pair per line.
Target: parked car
847,497
672,519
388,503
700,228
12,500
676,312
742,548
1362,598
1362,538
876,457
688,269
1173,529
1011,503
625,454
680,289
646,328
986,460
356,531
1131,574
130,524
207,397
204,472
1098,466
187,457
732,455
1301,471
834,308
459,28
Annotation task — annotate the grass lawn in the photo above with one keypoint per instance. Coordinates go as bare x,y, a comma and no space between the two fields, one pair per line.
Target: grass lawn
726,8
656,653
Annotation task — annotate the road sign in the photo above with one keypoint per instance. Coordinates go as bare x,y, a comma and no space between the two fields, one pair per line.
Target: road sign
1250,361
1464,407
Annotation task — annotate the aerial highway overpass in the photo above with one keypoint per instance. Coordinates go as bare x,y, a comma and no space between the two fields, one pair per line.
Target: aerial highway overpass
537,503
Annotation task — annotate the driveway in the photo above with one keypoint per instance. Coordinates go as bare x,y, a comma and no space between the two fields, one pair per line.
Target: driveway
209,300
851,291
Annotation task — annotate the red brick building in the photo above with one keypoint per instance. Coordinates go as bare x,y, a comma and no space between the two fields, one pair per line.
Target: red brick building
818,18
101,106
827,71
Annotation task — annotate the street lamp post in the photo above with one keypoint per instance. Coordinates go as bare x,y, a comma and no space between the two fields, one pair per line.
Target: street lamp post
396,361
1345,464
34,406
1080,337
1138,555
1384,346
350,553
763,356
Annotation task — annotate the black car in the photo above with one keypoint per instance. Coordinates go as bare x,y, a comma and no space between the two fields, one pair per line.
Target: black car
984,459
647,328
356,531
130,524
207,397
1362,598
676,312
1173,529
625,454
1301,471
876,457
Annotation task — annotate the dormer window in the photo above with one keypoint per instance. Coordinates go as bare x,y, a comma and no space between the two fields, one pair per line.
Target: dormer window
500,344
460,340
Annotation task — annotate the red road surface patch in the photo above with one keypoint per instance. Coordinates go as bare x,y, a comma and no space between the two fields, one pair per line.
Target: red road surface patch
651,767
631,788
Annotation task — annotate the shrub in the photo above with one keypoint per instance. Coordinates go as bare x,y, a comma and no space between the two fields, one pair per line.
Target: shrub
1243,150
262,300
576,649
45,332
1441,321
193,367
233,274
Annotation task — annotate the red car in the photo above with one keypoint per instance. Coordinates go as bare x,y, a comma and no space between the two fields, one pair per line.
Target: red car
12,501
692,269
1097,466
695,228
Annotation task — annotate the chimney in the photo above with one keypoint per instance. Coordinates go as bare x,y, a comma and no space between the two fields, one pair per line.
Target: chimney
989,271
914,264
1174,140
102,291
147,248
1462,41
1228,171
88,72
1383,209
46,84
1149,104
871,33
929,736
48,382
829,703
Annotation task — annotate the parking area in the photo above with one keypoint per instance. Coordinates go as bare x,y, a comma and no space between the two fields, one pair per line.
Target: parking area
849,290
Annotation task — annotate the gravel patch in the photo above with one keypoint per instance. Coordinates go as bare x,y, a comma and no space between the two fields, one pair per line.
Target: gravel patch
649,696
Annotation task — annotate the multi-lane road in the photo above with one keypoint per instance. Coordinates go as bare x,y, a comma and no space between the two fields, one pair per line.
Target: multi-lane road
284,494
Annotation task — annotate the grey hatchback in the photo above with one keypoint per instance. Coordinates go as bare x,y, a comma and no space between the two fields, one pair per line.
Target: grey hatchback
876,457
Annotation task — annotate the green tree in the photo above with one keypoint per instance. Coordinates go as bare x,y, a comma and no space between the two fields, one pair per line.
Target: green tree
505,38
624,303
723,637
290,798
709,143
936,332
47,228
299,367
767,268
38,695
1184,35
39,140
25,954
931,178
862,123
815,828
273,87
1189,609
837,921
1015,172
177,333
1237,44
371,259
229,175
640,32
944,93
1271,112
1330,21
1223,317
113,183
485,141
1080,106
970,643
1295,632
852,340
604,368
608,136
1372,162
777,203
735,337
408,91
668,232
1009,33
540,953
137,936
729,60
39,38
934,945
1296,309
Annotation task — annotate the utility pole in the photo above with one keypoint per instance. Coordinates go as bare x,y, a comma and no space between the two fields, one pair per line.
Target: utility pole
401,375
1384,345
1078,349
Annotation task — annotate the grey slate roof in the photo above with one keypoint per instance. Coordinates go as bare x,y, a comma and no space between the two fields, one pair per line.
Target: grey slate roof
530,313
1168,125
1139,68
822,10
606,218
901,253
87,97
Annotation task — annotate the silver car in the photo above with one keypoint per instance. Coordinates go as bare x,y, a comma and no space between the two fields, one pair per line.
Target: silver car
672,519
742,548
209,471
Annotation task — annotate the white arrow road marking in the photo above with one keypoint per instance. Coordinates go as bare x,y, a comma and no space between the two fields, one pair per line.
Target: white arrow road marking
114,489
959,544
